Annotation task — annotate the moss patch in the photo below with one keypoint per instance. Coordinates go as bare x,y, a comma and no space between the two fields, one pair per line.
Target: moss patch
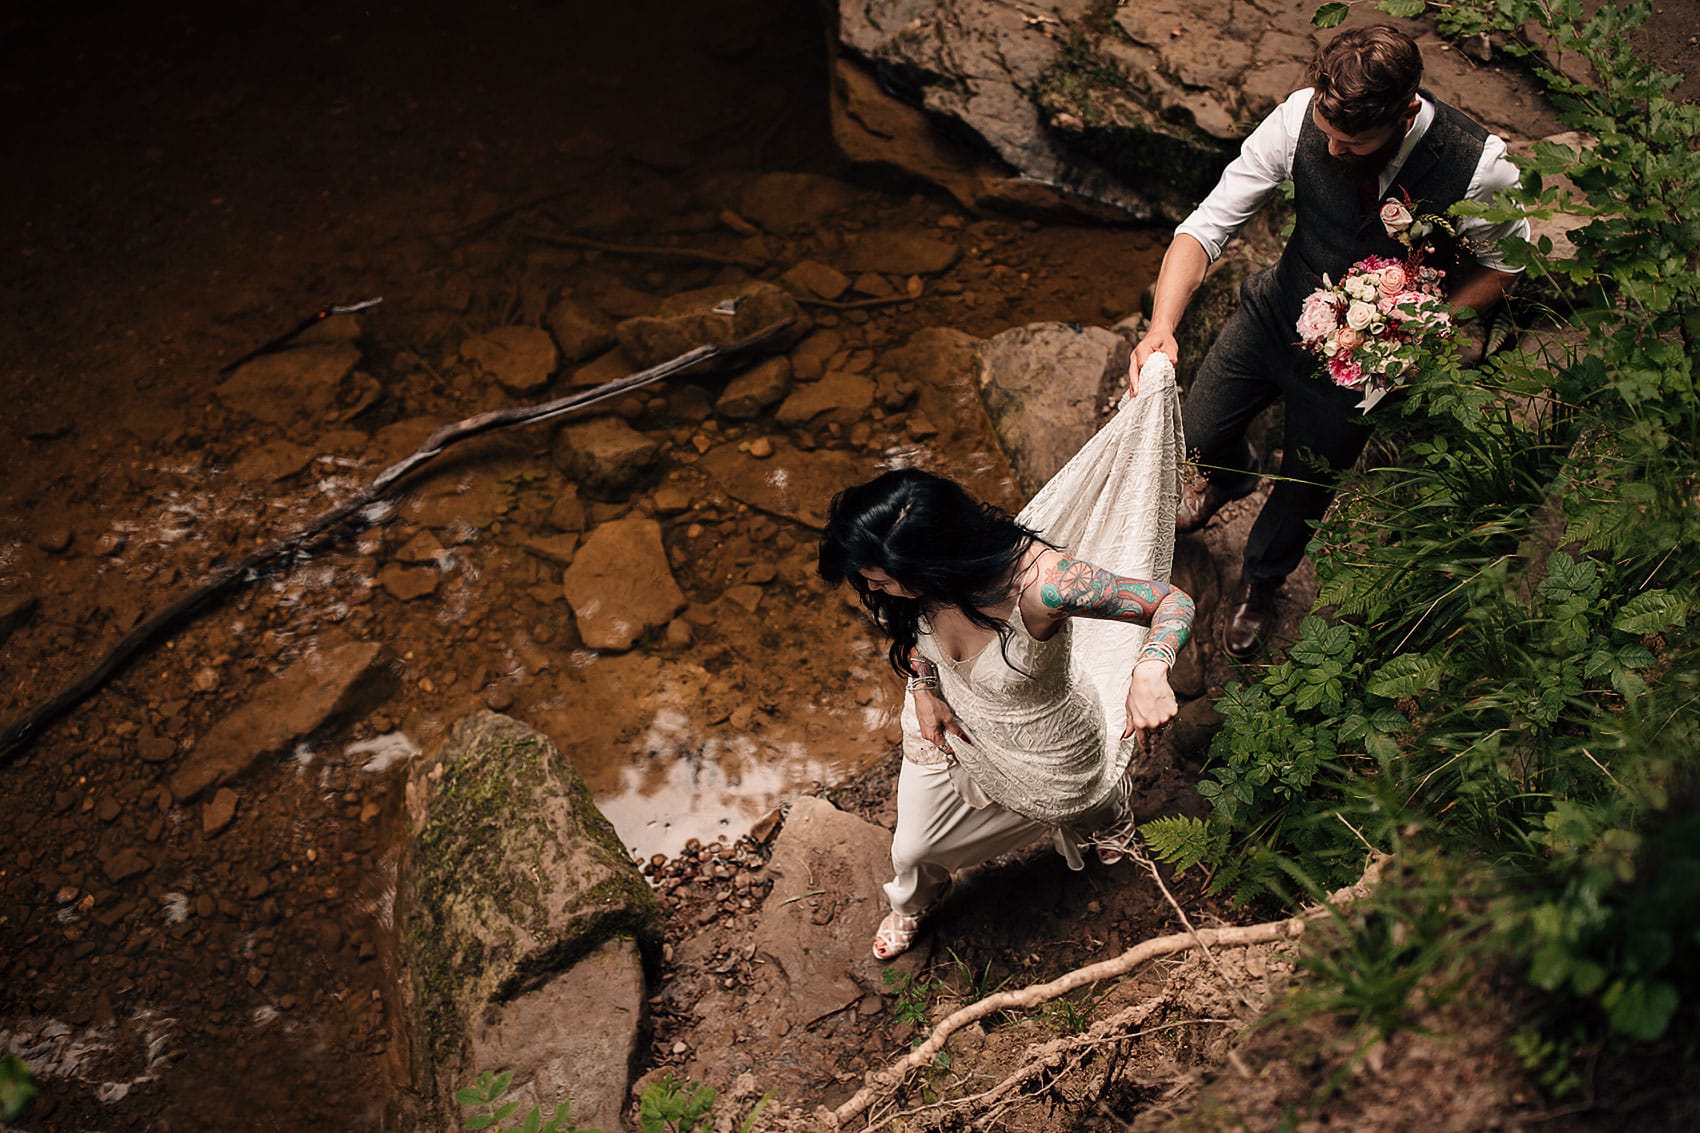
514,876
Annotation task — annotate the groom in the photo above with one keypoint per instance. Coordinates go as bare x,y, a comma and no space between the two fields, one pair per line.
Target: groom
1361,135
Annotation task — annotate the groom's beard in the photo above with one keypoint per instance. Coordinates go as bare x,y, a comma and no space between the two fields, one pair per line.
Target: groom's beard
1363,165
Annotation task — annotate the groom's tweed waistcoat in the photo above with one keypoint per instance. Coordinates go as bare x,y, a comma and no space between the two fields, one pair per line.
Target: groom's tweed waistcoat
1333,229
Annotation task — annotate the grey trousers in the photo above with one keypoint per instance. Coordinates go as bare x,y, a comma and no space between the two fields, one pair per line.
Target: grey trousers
1252,364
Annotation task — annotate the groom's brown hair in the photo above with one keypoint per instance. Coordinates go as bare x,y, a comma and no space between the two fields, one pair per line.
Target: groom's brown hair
1366,77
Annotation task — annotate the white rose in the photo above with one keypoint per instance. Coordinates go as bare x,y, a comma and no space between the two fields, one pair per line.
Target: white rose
1360,315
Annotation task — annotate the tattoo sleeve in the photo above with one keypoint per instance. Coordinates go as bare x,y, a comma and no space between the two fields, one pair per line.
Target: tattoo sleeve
1078,589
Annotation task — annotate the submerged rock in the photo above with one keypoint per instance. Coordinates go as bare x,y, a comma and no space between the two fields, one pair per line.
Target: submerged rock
301,382
780,202
750,393
839,396
304,699
788,483
619,584
580,330
519,359
524,927
690,319
604,455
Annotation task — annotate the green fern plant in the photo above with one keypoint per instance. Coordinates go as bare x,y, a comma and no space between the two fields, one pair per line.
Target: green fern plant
484,1096
1505,674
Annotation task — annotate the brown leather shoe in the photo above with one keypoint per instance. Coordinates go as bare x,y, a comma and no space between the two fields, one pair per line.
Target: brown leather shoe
1202,500
1250,618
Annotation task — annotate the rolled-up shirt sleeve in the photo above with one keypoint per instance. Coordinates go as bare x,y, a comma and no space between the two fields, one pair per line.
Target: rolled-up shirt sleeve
1265,160
1494,174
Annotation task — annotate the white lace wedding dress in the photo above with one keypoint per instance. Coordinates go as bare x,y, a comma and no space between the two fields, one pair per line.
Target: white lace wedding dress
1046,720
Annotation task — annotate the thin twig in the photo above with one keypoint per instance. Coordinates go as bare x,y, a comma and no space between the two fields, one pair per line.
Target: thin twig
652,251
1140,856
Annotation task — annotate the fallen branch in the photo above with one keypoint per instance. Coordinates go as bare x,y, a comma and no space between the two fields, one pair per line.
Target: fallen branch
885,1081
652,251
248,568
855,304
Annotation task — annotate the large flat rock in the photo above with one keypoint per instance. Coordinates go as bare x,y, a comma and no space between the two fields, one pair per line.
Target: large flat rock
307,697
1134,114
791,483
818,922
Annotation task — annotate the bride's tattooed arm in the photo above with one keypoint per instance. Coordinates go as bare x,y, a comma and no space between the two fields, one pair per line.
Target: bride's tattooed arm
1075,588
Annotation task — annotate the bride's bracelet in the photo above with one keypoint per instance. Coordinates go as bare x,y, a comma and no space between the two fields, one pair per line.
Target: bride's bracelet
926,681
1158,651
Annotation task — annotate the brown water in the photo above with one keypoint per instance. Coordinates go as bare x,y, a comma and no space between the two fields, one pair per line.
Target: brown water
185,185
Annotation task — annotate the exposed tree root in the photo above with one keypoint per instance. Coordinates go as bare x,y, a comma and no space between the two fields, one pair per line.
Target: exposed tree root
881,1083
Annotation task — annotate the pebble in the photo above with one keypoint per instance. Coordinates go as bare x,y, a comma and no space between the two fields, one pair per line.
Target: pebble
151,747
761,448
219,813
124,865
55,540
206,679
205,906
109,809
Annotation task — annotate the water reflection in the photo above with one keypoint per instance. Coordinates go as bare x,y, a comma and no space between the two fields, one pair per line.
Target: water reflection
679,791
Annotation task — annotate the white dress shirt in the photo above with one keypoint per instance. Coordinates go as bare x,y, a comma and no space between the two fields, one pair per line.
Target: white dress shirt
1266,160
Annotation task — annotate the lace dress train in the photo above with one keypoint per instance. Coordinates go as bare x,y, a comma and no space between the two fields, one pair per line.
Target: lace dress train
1046,717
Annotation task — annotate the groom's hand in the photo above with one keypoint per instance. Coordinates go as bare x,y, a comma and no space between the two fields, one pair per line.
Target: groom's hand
1156,342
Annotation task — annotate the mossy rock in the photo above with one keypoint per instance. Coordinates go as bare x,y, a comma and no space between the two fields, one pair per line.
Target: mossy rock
511,876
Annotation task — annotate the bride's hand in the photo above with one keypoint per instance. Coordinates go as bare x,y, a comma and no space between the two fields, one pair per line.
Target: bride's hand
1150,700
938,722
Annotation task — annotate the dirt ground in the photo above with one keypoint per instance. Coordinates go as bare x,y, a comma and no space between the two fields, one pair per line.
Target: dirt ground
189,183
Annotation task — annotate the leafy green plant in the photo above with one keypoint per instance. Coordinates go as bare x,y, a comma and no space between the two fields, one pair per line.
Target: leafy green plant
976,984
1505,680
674,1105
17,1086
912,998
1067,1016
485,1096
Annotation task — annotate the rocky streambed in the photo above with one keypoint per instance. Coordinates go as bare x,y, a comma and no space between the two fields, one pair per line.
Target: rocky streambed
200,882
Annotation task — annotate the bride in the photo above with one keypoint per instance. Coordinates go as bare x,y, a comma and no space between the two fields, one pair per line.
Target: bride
1034,647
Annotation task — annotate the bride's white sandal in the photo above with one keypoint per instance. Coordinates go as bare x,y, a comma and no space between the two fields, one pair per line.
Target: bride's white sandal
896,934
897,931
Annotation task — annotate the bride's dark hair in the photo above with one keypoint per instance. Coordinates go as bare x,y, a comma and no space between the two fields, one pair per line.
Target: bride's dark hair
931,536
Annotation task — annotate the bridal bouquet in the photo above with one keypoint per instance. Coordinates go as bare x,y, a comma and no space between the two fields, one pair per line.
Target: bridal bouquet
1359,326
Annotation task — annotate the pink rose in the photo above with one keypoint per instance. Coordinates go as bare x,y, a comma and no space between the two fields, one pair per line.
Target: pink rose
1349,339
1319,317
1393,280
1395,217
